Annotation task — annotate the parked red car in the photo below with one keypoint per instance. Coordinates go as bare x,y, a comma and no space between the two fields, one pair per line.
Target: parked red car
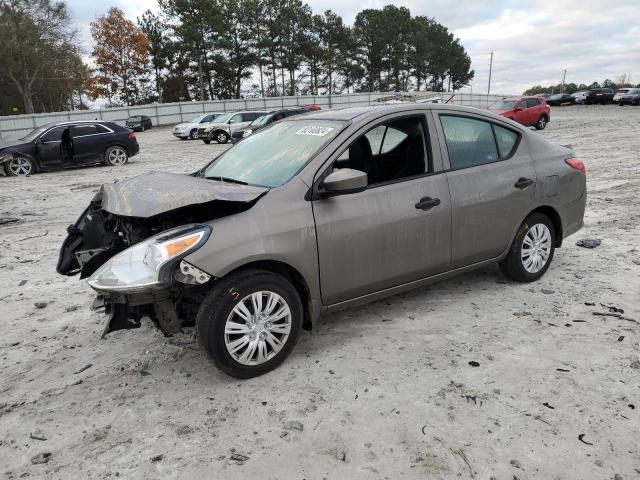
528,111
311,108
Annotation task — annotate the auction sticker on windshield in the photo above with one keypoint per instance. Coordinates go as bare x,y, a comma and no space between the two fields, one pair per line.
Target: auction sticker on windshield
315,131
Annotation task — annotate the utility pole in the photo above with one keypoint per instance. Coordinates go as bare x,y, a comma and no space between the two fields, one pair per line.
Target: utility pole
564,75
201,78
490,69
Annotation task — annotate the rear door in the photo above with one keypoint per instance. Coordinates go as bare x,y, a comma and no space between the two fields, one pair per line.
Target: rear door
89,144
397,230
492,183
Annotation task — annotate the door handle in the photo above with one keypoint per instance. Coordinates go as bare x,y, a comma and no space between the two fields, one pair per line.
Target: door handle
427,203
523,183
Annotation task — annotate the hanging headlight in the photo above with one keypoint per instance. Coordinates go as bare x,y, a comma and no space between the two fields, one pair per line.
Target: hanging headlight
144,265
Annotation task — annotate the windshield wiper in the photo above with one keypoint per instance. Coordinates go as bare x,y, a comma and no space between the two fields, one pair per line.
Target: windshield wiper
227,179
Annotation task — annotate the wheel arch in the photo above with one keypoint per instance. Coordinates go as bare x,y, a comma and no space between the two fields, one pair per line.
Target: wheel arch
292,275
553,215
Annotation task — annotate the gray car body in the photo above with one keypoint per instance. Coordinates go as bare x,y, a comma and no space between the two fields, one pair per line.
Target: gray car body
355,248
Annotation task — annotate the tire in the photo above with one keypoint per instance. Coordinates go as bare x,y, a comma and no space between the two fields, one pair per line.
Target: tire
192,134
142,128
116,156
206,140
515,264
20,166
221,137
218,308
541,123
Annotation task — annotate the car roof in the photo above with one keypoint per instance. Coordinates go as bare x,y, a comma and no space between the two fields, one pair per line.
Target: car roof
74,122
357,114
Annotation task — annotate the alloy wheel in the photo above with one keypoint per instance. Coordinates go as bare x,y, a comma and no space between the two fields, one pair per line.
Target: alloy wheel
257,328
536,248
221,138
20,167
117,156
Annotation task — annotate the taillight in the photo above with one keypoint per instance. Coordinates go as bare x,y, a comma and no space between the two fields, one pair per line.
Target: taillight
577,165
132,135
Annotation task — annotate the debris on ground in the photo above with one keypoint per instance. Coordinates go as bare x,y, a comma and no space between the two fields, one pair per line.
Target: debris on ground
41,458
157,458
40,305
589,243
294,425
239,458
4,220
86,367
581,438
37,437
473,363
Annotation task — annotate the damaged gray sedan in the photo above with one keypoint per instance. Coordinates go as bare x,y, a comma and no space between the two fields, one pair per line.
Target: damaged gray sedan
321,212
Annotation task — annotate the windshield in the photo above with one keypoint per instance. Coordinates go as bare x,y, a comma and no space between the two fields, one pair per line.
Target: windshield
196,119
223,118
556,95
35,133
260,121
273,155
134,119
503,105
634,91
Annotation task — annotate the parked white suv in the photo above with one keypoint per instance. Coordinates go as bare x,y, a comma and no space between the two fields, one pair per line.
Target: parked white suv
190,129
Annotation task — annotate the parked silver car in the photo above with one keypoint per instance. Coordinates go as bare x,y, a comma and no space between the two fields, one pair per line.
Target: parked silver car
226,125
320,212
189,130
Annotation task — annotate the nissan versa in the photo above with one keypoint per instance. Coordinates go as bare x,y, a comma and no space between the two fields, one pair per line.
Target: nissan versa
320,212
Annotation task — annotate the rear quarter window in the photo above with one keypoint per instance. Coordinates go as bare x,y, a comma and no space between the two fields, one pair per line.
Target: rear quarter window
506,140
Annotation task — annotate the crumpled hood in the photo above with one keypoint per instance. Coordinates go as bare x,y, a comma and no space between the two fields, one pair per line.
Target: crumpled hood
154,193
10,143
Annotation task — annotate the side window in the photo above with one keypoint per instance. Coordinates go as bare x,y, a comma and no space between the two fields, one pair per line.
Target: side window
206,119
383,159
506,140
102,129
532,102
53,135
470,142
237,118
83,130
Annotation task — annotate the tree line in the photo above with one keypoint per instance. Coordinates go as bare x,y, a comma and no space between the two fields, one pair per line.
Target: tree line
622,82
214,49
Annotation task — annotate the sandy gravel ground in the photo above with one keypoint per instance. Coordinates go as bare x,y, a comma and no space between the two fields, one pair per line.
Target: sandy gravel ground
383,391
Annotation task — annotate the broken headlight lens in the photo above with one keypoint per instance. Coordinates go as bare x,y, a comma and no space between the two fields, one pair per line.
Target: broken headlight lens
141,266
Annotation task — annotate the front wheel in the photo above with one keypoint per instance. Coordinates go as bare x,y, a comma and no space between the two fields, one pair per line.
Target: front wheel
115,156
221,137
192,134
19,167
249,323
541,123
531,251
206,140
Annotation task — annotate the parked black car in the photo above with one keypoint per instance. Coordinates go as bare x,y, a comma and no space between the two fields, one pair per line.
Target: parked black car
601,96
66,145
561,99
632,97
265,120
139,123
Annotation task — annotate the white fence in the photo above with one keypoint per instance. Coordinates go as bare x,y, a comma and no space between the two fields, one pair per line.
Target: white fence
15,126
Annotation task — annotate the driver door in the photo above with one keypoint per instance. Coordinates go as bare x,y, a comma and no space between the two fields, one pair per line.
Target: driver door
50,149
386,235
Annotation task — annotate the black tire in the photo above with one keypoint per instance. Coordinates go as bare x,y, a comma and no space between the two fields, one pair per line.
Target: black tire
192,134
19,166
221,137
512,265
541,123
206,140
142,128
218,305
116,156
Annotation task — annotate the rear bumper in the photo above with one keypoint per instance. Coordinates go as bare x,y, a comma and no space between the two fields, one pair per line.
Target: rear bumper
573,215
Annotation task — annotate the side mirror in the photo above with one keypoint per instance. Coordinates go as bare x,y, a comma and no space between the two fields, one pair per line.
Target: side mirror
344,181
519,109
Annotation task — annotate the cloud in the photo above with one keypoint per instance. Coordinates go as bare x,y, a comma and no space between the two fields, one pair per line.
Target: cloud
533,40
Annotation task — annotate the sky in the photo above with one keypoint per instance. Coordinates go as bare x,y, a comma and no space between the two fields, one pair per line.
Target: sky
533,41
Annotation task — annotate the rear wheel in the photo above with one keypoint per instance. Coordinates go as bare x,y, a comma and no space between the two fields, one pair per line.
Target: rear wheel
249,323
116,156
541,123
20,167
532,250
